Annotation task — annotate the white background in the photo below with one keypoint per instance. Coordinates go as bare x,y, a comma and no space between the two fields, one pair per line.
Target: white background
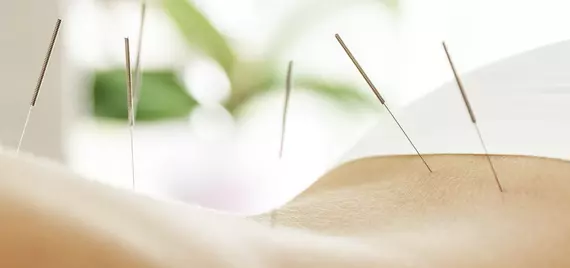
211,161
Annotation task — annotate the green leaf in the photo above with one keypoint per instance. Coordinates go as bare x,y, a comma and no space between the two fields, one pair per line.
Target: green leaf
249,80
343,94
391,4
162,96
199,32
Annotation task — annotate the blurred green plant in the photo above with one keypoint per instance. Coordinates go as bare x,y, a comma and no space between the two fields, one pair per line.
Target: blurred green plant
163,95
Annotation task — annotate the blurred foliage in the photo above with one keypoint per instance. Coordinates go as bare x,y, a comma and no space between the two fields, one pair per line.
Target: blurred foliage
164,96
199,32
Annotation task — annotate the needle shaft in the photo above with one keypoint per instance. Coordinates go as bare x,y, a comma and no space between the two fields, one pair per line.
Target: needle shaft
130,107
379,96
471,115
40,81
288,85
137,80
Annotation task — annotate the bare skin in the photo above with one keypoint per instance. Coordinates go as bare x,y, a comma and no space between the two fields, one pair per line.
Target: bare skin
52,218
454,217
376,212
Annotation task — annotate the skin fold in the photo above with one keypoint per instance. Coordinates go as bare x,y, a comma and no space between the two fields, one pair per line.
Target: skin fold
373,212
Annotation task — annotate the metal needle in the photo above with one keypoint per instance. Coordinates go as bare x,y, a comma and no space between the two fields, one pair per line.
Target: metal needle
130,105
288,86
40,81
380,98
471,114
137,80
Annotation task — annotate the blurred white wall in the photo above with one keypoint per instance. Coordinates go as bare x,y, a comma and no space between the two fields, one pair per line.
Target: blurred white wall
26,27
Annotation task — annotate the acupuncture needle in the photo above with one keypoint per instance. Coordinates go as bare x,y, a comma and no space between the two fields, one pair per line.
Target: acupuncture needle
288,85
40,81
380,98
471,114
137,80
130,105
